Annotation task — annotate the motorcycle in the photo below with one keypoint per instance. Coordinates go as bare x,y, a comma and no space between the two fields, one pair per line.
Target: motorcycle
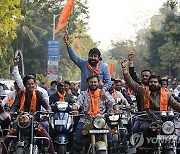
26,139
97,130
120,125
62,125
161,137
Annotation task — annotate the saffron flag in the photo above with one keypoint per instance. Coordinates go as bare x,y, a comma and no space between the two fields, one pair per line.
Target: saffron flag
67,10
111,69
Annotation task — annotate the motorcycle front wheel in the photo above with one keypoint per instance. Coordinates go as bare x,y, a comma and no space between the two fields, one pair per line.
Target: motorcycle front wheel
20,150
62,149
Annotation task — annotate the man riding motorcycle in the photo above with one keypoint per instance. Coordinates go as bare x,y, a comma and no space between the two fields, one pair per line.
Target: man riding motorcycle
153,98
30,100
61,95
91,104
117,95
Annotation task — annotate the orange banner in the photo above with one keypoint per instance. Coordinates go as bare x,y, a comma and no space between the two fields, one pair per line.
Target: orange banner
66,12
111,69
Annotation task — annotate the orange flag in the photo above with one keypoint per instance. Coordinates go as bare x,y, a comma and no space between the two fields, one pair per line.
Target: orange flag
67,10
111,69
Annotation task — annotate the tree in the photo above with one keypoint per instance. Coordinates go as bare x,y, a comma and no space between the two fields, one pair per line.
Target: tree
35,29
164,46
9,15
39,17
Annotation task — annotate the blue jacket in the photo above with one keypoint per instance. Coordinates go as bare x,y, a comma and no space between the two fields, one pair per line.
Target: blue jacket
104,74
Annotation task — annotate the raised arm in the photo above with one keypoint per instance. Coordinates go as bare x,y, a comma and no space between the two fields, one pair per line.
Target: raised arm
129,81
74,57
17,76
131,67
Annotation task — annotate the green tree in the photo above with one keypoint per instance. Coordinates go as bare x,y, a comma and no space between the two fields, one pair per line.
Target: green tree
118,52
42,28
9,15
164,47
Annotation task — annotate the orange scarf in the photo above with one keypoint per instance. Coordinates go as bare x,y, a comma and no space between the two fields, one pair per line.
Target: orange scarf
163,99
115,94
33,101
95,71
94,106
61,96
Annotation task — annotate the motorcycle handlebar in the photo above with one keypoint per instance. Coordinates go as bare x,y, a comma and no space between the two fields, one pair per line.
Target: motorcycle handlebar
37,112
44,112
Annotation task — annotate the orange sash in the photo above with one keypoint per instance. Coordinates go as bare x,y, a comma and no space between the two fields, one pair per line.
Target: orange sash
33,102
61,96
94,106
163,100
95,71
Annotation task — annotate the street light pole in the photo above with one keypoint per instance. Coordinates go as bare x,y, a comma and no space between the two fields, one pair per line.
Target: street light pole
54,22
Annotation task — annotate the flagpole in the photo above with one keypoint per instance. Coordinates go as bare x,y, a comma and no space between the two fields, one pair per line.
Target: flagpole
54,22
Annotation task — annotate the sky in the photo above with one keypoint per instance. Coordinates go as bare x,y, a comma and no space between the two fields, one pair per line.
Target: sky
119,19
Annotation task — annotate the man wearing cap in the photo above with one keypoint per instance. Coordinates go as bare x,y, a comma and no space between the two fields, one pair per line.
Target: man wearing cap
91,66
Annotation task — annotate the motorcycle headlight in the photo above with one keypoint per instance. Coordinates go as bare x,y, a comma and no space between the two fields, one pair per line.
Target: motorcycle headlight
62,106
168,127
23,121
114,117
99,122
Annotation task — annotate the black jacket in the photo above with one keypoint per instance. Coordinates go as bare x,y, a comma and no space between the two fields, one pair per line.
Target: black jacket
55,97
40,101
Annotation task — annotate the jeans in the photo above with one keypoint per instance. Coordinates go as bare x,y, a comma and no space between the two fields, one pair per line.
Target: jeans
136,126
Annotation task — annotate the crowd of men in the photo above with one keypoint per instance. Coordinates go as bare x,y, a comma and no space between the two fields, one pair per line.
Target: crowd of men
97,92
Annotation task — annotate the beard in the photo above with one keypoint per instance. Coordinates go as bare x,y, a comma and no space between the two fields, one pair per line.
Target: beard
154,88
144,81
93,88
92,62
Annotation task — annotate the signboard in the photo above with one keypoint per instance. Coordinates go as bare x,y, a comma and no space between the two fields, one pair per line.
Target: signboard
53,58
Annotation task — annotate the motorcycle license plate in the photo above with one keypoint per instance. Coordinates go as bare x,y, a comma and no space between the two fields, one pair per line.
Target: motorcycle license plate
60,122
98,131
167,138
